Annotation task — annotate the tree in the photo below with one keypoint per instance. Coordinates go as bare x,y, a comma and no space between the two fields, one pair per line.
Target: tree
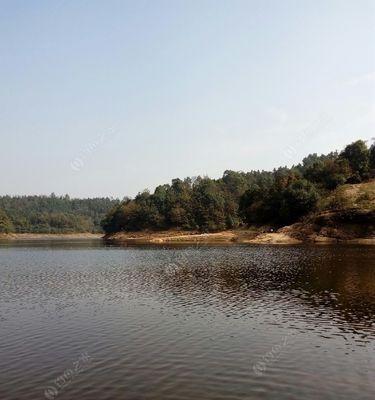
235,183
6,225
372,160
252,204
45,214
358,157
208,205
284,201
328,173
298,199
179,207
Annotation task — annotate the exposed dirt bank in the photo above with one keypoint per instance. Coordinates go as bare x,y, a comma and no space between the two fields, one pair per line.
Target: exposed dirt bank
172,236
286,235
348,226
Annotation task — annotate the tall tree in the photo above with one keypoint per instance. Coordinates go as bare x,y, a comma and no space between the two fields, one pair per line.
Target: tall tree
358,157
372,159
6,225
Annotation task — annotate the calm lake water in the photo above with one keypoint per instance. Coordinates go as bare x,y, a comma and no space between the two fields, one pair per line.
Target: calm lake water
81,320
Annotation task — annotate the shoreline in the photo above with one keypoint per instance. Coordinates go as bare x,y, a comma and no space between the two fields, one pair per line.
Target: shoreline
49,236
228,237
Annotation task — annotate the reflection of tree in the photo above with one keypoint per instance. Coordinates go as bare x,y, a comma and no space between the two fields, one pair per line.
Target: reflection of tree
347,285
337,283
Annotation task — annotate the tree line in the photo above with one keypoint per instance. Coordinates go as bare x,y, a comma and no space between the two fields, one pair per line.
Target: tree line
52,214
277,197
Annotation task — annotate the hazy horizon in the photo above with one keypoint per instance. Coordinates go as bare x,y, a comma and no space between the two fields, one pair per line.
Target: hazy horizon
106,99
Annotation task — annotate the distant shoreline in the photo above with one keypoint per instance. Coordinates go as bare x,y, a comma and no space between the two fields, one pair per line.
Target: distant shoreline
49,236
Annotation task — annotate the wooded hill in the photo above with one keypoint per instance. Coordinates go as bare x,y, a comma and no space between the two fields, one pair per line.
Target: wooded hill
276,198
52,214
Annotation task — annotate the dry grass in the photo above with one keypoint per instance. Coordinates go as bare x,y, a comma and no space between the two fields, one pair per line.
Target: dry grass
359,196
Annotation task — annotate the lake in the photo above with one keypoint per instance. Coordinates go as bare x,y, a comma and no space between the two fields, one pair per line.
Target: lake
81,320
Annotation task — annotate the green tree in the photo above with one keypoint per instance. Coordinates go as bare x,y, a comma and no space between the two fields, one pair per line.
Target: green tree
209,205
328,173
358,157
298,199
6,225
252,204
45,214
179,204
372,159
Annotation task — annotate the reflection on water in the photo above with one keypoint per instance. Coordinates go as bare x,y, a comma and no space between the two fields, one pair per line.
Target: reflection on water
238,322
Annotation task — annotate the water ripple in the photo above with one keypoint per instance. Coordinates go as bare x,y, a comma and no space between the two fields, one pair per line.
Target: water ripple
239,322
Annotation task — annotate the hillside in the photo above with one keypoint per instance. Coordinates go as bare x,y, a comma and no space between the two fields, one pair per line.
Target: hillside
347,214
321,185
52,214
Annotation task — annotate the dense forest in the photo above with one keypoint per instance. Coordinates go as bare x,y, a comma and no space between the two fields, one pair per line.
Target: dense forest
275,198
52,214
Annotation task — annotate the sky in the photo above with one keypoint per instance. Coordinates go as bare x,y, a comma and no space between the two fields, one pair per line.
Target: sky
108,98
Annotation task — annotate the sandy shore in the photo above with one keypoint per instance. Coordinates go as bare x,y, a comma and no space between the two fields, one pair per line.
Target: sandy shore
50,236
176,237
251,236
145,237
231,236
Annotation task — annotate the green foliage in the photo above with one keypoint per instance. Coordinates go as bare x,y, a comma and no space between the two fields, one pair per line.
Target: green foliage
209,205
53,214
328,173
358,156
298,199
253,205
178,206
6,225
257,197
285,201
372,159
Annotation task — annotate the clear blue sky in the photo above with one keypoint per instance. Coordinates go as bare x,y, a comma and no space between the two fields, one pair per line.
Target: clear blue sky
112,97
